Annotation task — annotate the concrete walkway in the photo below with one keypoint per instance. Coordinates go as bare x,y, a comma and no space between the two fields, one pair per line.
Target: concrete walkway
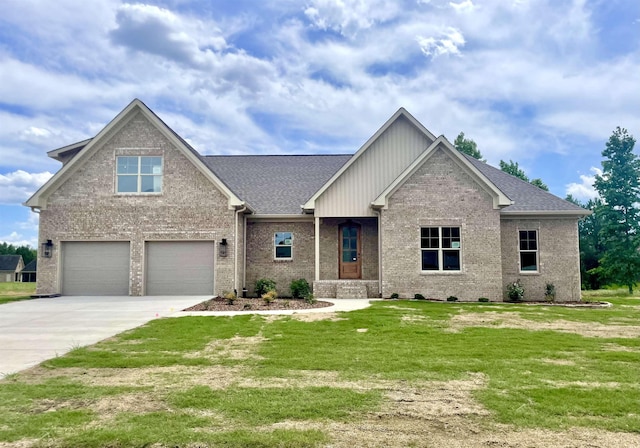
32,331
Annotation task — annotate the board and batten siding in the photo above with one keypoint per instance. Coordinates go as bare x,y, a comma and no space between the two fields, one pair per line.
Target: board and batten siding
352,193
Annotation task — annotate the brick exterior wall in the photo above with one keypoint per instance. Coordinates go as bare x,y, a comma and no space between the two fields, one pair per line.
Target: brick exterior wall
440,193
558,258
260,255
330,238
86,208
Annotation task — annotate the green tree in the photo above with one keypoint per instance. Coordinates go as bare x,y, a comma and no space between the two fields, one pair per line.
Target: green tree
27,253
591,247
514,169
467,146
619,188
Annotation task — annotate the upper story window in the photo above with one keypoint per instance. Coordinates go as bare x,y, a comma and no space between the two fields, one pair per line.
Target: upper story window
528,248
440,248
283,245
139,174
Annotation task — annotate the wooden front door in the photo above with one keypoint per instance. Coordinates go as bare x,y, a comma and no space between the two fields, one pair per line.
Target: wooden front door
350,261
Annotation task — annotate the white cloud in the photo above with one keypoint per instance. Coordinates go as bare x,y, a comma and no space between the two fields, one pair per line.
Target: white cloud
18,239
448,41
18,186
348,17
585,189
463,7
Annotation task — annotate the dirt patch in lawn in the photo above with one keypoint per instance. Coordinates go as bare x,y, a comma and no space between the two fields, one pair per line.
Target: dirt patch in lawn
494,319
221,304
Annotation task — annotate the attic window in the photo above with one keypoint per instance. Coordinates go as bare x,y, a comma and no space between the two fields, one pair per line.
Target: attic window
139,174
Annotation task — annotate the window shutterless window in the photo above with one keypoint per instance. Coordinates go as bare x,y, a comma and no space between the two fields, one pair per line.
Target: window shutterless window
139,174
528,248
283,245
440,247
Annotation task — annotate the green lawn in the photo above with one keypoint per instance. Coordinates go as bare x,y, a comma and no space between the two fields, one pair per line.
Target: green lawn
283,381
12,292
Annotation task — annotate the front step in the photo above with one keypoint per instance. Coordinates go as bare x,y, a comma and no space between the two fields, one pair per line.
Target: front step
350,291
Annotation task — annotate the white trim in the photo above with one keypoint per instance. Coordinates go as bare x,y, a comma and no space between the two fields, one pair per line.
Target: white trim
528,251
275,247
317,249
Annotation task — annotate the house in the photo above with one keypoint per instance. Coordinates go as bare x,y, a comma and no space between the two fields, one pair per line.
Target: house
28,273
136,210
10,267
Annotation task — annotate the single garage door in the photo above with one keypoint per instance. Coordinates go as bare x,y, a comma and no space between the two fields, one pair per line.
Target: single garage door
95,268
179,267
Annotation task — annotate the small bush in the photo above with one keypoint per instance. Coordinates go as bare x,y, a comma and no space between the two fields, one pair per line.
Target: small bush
550,292
264,285
310,299
515,291
269,296
483,300
229,296
299,288
419,297
452,299
395,295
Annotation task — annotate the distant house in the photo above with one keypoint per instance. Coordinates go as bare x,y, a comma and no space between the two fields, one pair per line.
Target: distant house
28,274
136,210
10,267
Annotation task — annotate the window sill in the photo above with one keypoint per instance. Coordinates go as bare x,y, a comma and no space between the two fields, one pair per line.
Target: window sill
137,194
282,260
529,273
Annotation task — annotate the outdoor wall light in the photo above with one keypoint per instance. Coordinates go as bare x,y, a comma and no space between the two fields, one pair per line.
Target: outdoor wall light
47,249
223,247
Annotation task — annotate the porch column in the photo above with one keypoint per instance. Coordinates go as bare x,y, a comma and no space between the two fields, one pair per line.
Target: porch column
317,241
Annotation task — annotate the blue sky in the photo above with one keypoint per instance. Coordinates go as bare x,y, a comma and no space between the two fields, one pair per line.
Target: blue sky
540,82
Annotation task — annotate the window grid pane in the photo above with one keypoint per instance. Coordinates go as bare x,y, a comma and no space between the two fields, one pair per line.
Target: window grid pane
528,245
440,248
139,174
283,243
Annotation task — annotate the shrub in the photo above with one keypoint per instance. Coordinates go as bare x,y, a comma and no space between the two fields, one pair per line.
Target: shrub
419,297
269,296
452,299
515,291
310,299
395,295
264,285
550,292
230,296
483,300
299,288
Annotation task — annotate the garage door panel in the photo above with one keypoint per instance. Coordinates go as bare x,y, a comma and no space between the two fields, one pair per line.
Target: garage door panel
179,267
95,268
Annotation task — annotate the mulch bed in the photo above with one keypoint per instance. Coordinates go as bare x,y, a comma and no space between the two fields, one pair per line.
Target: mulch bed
221,304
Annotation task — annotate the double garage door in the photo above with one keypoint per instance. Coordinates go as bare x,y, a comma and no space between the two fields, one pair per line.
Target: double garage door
172,268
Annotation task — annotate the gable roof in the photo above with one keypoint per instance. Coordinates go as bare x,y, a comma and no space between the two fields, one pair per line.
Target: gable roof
32,266
499,197
39,198
527,198
10,262
279,184
402,112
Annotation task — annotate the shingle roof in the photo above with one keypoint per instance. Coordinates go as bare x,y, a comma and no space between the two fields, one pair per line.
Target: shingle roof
9,262
526,197
277,184
32,266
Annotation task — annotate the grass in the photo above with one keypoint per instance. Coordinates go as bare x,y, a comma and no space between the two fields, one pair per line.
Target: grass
13,292
283,370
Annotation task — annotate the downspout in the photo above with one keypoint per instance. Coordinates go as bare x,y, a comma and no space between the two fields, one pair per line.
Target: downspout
244,253
235,248
379,213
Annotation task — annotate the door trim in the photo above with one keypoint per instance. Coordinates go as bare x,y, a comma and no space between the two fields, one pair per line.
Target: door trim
350,270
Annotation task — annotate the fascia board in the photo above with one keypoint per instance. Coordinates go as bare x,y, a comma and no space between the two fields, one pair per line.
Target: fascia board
55,153
310,204
545,213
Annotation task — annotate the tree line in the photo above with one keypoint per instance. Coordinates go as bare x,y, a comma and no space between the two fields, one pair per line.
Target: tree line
610,235
27,253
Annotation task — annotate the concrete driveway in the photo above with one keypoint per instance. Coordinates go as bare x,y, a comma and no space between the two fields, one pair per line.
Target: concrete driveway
32,331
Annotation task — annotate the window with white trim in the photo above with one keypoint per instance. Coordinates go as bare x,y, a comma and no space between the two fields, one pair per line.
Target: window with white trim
440,247
139,174
528,249
283,246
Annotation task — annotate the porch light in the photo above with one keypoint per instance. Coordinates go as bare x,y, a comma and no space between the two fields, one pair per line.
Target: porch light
47,249
223,247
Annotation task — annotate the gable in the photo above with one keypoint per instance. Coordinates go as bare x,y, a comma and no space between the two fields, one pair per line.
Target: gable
132,139
350,191
442,146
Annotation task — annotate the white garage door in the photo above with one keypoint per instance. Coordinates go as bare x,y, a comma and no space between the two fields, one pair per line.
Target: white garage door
95,268
179,267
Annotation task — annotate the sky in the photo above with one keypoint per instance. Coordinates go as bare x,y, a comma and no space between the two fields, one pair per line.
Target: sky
541,82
